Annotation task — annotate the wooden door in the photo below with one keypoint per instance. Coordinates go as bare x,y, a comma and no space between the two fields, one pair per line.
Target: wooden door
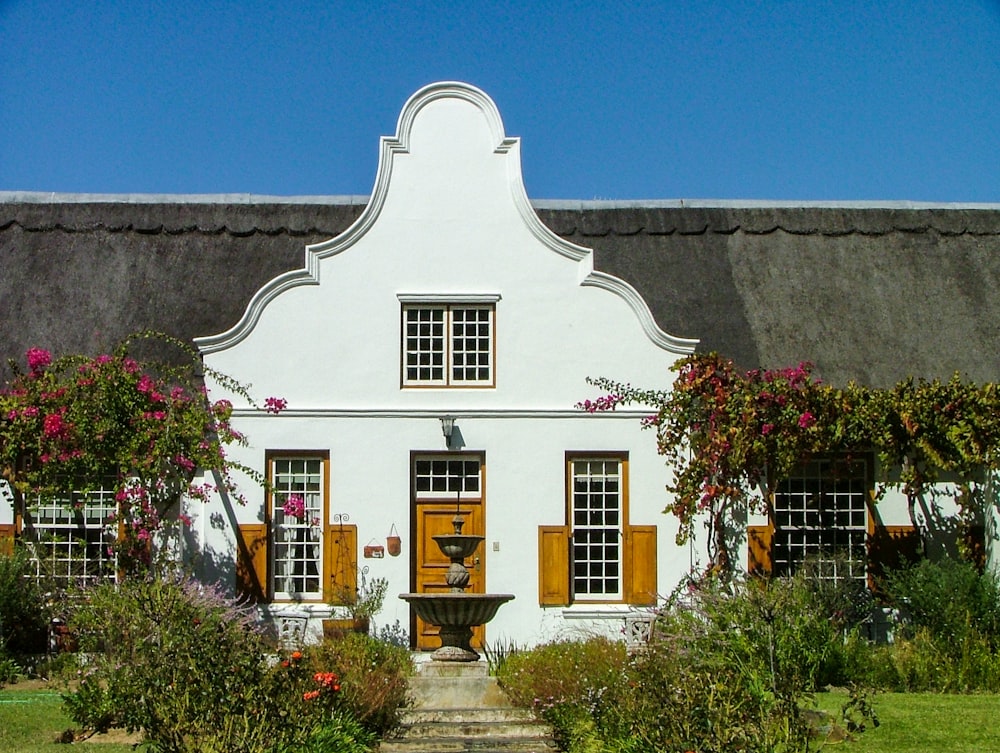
440,485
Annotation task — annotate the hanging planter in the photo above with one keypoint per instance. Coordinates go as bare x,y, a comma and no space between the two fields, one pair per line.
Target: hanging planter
393,543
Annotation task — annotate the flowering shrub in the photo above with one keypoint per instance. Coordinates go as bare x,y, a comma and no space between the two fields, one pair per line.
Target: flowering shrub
730,670
79,420
189,669
730,436
371,676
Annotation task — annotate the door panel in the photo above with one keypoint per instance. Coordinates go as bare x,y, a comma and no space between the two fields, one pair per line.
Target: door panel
432,515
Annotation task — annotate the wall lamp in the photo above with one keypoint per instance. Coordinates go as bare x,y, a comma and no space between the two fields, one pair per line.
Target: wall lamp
447,427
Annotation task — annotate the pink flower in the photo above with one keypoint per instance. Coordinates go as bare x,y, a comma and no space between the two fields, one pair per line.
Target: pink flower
145,384
766,429
275,405
294,507
184,463
806,420
608,402
54,426
38,360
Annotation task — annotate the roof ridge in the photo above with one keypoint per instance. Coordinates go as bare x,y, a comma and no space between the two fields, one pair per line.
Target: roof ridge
43,197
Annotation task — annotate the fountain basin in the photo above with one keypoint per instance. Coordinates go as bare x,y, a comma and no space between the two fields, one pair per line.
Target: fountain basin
457,545
456,614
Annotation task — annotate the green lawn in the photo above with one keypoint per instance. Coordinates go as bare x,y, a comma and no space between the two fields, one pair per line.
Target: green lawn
30,721
925,723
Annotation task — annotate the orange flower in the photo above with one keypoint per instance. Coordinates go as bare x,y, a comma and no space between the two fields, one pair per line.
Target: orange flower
296,655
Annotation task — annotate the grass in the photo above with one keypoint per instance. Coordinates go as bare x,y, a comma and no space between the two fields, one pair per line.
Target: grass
923,722
32,719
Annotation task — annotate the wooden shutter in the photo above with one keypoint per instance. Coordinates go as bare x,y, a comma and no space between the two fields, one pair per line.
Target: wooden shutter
251,562
7,531
640,565
890,547
553,566
341,564
759,560
974,539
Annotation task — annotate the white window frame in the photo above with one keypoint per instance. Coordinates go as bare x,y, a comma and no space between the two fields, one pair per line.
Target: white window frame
71,537
415,350
591,531
448,477
298,542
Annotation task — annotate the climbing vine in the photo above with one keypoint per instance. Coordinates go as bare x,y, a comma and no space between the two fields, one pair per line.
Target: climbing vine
729,436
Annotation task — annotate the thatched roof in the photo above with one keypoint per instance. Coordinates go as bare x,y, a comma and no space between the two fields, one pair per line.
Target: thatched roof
866,292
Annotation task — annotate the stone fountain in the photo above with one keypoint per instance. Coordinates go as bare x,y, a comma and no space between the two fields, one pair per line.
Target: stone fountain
456,612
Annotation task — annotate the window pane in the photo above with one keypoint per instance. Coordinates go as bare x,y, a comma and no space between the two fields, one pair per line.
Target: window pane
596,515
297,514
69,537
820,518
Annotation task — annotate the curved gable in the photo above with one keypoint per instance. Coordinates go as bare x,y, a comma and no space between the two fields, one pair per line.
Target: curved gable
449,159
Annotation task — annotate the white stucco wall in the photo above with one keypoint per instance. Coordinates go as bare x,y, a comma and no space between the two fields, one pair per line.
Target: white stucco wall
449,217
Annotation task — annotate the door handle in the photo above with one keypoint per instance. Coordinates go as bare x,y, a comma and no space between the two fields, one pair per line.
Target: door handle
475,563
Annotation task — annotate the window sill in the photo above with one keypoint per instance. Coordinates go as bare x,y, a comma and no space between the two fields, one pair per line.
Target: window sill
597,612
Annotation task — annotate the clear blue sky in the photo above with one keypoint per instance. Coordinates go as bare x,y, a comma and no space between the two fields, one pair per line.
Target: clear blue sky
802,100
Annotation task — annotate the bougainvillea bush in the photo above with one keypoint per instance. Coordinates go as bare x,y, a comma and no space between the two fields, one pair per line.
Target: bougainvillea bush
75,422
730,436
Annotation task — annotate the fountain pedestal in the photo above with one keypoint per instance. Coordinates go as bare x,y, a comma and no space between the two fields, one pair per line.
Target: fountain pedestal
456,612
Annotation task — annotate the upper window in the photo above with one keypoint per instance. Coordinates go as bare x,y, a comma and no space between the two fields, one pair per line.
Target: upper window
448,344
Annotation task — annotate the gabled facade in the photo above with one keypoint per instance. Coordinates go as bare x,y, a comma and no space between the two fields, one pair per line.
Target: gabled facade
448,297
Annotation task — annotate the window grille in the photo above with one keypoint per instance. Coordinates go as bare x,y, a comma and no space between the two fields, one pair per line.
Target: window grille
597,527
447,345
820,518
70,537
447,477
298,541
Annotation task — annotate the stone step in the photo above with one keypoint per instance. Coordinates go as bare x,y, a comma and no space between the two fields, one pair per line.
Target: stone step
459,708
456,692
467,745
490,730
475,714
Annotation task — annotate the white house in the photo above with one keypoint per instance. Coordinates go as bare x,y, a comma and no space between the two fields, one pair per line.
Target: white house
447,298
